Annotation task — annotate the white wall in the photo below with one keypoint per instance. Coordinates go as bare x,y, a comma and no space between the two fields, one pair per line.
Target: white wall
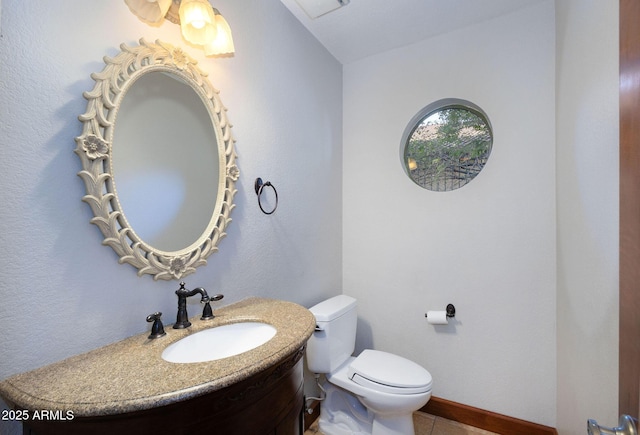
587,193
488,248
63,292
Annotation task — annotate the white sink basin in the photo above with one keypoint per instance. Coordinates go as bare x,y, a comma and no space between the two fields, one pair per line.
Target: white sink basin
219,342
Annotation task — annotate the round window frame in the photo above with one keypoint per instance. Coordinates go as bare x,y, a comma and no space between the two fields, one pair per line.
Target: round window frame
427,111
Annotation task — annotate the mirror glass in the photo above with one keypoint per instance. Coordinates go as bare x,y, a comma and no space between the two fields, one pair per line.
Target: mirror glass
446,145
165,162
158,160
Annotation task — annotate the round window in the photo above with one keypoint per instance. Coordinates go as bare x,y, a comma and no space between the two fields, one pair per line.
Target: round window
446,145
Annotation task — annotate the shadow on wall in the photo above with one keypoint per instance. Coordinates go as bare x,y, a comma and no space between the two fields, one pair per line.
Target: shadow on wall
364,336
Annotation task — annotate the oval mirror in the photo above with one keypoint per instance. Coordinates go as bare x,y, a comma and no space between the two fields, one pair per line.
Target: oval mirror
165,162
158,160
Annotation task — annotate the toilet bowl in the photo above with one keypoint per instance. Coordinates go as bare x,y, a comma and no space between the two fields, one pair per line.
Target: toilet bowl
374,393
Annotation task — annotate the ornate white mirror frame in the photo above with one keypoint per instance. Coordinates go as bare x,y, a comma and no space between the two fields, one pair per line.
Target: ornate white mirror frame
94,148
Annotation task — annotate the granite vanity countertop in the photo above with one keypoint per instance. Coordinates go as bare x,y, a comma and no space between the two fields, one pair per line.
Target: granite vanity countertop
131,375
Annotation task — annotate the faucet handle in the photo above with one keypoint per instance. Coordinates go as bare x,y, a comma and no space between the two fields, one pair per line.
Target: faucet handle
157,329
207,312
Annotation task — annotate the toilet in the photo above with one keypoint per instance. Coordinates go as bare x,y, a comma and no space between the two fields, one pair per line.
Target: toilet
374,393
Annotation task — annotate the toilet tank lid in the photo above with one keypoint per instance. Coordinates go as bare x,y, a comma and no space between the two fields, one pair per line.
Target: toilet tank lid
332,308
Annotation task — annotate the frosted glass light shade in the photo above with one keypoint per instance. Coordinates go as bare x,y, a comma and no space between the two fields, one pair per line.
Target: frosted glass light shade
223,42
197,21
149,11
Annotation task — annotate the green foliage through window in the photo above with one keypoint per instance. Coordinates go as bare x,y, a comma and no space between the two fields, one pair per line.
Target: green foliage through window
448,147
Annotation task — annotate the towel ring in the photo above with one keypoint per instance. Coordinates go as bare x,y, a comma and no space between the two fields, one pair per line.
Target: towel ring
259,185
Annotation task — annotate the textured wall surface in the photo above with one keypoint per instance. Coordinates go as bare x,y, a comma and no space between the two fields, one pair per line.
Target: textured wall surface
62,291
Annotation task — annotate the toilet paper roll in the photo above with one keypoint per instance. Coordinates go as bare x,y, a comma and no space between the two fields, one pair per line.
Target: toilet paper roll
437,317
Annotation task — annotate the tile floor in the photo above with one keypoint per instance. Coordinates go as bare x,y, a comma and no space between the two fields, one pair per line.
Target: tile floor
426,424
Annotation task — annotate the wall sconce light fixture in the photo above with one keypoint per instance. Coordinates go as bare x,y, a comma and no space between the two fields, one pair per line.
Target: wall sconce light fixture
200,23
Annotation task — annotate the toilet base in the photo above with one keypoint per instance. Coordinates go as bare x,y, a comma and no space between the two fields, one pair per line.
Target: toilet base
399,425
341,413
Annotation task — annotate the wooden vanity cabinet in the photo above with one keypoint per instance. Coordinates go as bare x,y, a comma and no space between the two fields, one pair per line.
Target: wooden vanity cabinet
268,403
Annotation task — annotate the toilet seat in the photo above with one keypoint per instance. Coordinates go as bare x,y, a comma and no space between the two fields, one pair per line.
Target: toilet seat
389,373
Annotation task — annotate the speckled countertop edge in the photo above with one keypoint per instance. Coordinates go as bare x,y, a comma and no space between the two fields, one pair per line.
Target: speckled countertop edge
131,375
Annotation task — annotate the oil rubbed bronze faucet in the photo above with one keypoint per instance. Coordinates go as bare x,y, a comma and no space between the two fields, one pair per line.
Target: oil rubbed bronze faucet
182,320
157,330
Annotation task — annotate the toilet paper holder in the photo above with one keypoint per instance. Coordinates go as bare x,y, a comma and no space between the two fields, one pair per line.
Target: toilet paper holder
450,310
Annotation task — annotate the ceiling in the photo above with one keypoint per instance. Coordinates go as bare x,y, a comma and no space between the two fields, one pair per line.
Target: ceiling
366,27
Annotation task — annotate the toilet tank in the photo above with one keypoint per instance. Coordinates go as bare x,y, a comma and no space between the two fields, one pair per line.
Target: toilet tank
335,336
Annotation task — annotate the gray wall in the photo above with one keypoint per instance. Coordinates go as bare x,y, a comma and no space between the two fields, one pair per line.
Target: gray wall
62,291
